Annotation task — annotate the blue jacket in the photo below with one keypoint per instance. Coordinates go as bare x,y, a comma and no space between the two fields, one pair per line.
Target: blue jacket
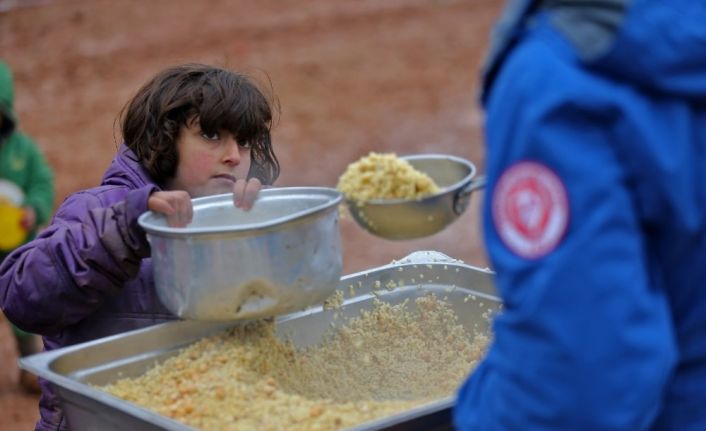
595,223
88,274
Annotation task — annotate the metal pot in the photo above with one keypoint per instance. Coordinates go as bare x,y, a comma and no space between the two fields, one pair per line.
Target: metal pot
281,256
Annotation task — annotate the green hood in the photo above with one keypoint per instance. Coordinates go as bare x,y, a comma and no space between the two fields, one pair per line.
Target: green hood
7,98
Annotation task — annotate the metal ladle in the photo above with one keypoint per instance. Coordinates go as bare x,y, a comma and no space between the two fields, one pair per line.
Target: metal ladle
400,219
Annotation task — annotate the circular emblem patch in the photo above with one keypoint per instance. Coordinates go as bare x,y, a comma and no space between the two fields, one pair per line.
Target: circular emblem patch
530,209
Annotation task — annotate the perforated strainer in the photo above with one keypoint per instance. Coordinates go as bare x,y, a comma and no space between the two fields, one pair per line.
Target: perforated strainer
399,219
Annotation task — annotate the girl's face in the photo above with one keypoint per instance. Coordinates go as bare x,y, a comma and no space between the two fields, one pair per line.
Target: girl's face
208,165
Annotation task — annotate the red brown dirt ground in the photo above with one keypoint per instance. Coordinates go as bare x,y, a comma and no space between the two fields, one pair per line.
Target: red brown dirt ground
352,76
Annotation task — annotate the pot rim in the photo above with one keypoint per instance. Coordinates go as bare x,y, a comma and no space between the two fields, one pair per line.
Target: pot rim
146,220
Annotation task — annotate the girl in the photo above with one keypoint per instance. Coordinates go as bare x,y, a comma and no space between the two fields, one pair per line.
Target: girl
193,130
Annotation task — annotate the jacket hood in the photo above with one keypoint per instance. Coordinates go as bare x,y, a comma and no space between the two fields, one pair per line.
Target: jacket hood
7,99
126,170
656,45
661,46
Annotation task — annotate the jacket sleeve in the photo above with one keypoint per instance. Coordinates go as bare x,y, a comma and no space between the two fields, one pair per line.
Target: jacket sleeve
75,264
584,341
39,189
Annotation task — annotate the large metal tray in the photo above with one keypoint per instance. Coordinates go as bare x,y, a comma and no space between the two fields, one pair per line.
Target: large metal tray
72,370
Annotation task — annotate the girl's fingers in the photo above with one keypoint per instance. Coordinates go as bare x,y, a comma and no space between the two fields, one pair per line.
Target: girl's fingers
186,211
176,205
239,192
175,219
182,203
245,192
252,188
159,205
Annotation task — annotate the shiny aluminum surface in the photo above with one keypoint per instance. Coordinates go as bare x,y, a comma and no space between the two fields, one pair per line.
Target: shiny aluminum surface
73,371
408,219
281,256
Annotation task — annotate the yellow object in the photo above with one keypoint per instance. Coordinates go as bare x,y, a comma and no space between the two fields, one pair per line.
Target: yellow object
384,176
12,234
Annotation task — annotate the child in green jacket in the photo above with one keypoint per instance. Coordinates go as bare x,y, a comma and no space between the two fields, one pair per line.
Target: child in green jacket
23,165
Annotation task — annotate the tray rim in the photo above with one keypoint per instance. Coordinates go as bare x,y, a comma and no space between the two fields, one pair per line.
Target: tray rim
40,364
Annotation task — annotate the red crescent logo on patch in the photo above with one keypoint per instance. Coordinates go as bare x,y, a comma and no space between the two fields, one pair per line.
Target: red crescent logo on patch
530,209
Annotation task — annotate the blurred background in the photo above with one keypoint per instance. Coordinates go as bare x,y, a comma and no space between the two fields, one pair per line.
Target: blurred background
351,76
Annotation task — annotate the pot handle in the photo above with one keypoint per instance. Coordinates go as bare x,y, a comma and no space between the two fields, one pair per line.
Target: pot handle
463,196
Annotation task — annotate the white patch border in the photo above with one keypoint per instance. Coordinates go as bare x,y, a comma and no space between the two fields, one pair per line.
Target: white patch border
559,213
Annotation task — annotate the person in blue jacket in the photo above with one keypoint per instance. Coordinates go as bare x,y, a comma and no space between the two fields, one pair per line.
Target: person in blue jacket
595,219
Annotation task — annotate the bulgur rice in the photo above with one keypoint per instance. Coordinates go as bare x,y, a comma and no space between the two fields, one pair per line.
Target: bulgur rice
387,360
384,176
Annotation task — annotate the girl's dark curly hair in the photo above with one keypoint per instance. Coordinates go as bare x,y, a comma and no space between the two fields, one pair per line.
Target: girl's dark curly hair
221,99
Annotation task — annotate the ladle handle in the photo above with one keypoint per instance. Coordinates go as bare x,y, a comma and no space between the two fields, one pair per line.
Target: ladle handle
463,196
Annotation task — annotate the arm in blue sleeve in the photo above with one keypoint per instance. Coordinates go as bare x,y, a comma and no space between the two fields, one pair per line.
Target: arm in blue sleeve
585,339
79,261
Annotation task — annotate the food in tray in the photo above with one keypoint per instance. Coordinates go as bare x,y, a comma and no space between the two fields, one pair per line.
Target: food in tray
385,361
384,176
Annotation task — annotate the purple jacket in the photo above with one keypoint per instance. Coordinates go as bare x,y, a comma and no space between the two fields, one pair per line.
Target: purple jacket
88,275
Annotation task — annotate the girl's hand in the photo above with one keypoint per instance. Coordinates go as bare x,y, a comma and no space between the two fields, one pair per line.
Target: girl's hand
245,192
176,205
